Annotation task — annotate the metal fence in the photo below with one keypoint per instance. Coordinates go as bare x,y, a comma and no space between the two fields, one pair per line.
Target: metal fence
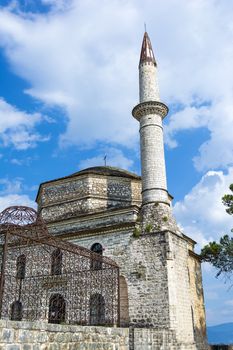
46,278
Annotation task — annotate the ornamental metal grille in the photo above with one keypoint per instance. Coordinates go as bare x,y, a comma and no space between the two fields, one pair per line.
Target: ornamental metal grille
49,279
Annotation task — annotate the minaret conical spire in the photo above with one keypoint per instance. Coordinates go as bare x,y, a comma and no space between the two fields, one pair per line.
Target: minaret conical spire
148,82
147,54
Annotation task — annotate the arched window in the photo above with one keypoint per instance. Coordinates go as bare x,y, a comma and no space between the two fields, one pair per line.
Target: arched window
57,308
97,309
96,263
16,311
21,266
56,266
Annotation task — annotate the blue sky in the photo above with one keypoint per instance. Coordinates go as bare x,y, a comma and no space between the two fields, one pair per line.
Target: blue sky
69,80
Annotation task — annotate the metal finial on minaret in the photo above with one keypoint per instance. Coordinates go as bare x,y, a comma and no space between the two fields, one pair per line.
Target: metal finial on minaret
150,112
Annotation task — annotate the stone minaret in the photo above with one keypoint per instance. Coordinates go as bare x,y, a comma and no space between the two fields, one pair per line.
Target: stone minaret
168,290
150,113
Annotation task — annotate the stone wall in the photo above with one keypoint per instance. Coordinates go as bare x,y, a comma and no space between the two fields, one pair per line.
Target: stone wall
106,220
154,183
44,336
141,261
82,194
148,84
158,339
197,297
152,265
179,290
153,261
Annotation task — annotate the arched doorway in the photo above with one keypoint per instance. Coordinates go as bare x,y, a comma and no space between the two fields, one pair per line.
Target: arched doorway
16,311
124,303
57,309
97,309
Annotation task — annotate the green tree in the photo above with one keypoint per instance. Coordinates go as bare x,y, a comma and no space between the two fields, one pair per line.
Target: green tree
220,254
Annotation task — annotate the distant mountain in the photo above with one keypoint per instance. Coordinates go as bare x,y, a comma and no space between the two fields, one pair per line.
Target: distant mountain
220,334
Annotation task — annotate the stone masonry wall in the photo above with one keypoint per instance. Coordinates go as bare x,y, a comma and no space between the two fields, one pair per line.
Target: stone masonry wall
150,264
197,297
93,222
44,336
179,289
141,261
159,217
153,263
157,339
84,194
148,85
154,183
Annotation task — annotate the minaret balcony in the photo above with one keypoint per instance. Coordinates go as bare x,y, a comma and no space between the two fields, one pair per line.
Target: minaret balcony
150,107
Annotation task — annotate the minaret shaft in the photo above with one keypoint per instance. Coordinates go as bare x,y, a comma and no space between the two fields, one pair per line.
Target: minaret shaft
154,184
150,113
148,85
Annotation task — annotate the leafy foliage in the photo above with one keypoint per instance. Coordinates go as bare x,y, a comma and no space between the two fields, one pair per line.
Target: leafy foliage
228,201
220,255
136,232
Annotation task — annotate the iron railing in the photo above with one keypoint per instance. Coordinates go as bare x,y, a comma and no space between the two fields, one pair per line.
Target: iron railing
49,279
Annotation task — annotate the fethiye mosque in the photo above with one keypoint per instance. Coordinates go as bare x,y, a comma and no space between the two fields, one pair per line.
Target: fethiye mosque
106,239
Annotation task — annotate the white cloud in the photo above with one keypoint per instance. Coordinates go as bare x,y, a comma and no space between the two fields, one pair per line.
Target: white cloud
11,194
114,158
15,199
203,218
17,128
201,213
217,151
229,302
75,59
187,118
8,187
87,75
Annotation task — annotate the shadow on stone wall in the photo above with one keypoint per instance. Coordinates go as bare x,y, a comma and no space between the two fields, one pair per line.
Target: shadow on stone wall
200,335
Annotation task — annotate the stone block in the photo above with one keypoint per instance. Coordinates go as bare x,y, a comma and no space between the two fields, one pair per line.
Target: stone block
53,346
12,347
7,335
27,347
24,336
36,347
42,337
